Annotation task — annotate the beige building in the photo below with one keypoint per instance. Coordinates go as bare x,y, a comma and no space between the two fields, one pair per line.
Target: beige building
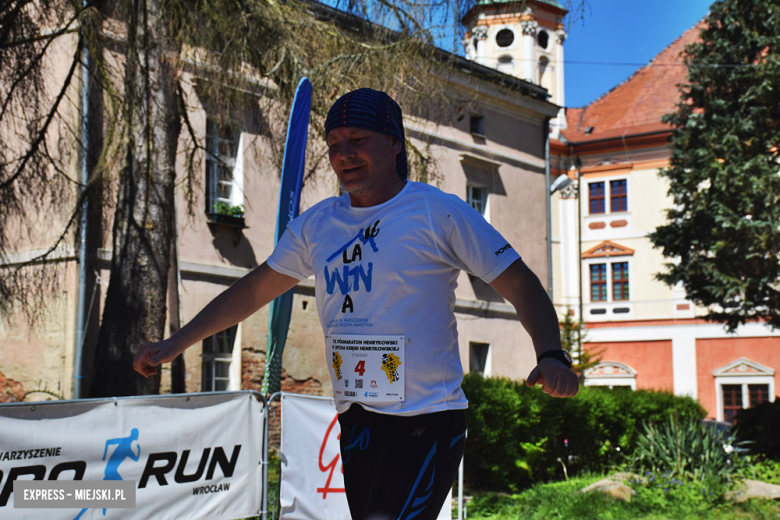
489,152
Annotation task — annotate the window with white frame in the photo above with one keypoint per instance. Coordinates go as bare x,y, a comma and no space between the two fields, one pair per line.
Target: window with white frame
224,169
477,197
742,384
609,281
608,196
216,360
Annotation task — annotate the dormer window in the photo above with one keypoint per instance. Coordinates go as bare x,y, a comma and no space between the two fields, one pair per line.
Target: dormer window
505,38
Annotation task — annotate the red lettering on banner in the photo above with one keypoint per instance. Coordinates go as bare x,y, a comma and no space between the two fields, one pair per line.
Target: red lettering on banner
331,467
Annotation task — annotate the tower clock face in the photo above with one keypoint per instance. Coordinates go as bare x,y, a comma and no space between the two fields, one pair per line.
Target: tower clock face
505,37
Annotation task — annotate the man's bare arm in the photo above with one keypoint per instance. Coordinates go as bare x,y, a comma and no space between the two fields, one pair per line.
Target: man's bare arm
234,305
521,287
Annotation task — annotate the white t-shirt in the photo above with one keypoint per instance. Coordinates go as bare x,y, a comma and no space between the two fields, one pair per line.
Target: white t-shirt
392,269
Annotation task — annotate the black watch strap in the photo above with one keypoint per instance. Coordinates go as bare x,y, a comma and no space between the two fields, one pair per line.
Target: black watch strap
560,355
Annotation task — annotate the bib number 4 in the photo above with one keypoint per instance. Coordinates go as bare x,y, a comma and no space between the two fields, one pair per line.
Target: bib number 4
360,368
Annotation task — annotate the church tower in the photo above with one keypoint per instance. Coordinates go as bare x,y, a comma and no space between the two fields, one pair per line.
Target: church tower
522,39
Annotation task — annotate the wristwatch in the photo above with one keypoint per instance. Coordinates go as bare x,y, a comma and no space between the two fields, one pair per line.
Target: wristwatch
560,355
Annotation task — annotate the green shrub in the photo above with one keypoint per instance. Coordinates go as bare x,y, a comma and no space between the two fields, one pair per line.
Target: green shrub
763,469
687,448
758,428
661,498
519,435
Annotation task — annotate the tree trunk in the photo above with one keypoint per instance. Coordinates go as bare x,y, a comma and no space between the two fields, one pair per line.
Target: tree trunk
135,306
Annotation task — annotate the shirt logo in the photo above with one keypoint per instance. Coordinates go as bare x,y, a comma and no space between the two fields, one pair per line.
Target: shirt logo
503,249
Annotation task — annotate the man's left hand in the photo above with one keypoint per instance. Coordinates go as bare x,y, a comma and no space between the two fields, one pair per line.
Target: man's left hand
556,378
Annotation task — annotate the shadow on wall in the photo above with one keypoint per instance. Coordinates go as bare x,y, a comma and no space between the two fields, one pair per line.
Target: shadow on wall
233,246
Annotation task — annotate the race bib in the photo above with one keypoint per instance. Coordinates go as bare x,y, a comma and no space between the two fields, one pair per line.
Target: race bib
366,368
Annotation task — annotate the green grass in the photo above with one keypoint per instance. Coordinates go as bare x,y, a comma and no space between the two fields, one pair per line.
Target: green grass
671,501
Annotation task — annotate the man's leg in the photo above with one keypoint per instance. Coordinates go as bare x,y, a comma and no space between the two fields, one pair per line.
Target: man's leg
407,466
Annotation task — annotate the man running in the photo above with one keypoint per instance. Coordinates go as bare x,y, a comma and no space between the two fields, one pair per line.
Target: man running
386,258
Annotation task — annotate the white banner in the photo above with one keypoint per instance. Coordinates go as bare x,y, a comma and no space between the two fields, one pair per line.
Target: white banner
312,483
192,457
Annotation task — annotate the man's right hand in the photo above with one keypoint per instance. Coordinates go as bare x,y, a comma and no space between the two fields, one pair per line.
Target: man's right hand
152,354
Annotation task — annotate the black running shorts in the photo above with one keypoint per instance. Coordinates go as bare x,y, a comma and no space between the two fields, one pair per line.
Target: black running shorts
399,468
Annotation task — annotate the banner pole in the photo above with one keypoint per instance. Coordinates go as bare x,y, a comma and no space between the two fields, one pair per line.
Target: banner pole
266,461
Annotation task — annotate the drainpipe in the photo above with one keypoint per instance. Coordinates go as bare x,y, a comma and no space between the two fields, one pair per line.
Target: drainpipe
82,276
546,129
578,164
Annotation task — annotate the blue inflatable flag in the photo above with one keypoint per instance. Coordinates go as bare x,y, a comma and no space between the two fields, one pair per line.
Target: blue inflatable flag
289,205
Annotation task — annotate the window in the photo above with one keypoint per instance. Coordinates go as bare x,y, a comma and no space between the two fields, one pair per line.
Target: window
758,394
617,286
478,125
598,193
479,358
598,282
224,165
504,38
618,199
732,401
477,197
737,397
543,38
743,383
596,197
620,281
217,354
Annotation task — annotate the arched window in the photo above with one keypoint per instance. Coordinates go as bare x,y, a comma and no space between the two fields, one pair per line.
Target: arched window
543,38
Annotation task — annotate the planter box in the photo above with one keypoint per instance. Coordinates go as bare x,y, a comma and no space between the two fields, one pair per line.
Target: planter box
226,220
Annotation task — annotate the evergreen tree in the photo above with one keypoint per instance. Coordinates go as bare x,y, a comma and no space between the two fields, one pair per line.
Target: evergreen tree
573,336
723,231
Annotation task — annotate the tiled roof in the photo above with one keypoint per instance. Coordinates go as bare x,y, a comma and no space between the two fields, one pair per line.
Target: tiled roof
553,3
636,105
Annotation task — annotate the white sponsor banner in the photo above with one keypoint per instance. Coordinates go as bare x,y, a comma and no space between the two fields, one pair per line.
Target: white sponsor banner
312,484
193,457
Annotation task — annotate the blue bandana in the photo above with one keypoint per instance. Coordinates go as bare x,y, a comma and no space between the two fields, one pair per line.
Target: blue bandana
371,110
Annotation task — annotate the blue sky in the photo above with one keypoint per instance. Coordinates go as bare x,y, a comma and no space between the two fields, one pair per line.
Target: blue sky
621,31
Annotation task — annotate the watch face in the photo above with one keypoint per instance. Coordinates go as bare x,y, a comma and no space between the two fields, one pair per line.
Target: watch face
568,357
